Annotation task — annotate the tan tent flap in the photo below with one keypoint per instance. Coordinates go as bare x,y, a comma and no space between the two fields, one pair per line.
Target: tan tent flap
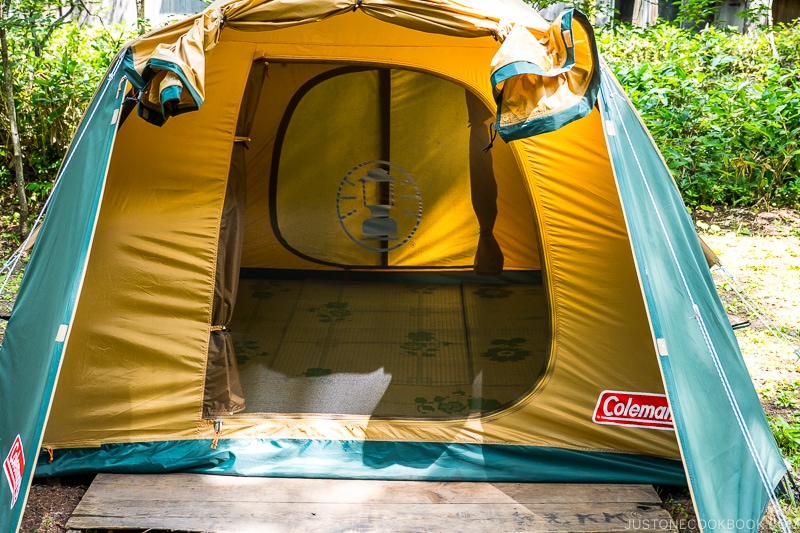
223,391
139,346
711,257
465,18
597,307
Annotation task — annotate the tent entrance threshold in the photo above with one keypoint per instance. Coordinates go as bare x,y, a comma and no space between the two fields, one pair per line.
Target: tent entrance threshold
198,502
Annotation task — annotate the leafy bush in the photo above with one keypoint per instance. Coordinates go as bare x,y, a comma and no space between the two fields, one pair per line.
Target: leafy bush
52,87
724,110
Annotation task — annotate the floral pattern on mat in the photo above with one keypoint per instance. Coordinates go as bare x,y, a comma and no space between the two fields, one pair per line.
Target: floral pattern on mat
265,289
333,312
493,291
422,344
246,350
456,403
505,351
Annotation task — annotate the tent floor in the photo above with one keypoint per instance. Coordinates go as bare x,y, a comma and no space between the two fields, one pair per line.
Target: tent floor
193,502
388,349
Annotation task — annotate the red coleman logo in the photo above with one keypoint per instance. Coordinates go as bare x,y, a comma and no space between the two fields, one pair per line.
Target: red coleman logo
14,466
633,409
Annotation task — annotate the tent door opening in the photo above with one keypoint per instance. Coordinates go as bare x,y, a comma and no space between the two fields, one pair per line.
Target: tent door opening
379,276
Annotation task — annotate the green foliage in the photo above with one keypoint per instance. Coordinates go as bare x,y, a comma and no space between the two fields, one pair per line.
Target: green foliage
12,282
787,395
696,12
590,8
9,282
723,110
787,435
52,83
785,424
9,220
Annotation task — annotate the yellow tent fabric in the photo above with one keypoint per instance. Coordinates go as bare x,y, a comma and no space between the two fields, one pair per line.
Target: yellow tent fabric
156,242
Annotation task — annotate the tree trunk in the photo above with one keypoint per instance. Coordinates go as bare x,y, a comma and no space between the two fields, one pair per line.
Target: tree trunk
140,21
12,119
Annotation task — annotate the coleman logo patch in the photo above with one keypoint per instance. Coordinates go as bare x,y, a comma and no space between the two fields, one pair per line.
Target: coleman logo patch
379,206
14,466
633,409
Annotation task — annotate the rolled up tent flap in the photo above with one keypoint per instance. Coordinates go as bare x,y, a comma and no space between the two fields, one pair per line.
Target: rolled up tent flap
543,84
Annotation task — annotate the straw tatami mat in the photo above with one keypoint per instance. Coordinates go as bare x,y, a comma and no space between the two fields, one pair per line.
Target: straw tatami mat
387,349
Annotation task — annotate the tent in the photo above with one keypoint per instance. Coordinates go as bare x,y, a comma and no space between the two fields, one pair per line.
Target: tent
376,239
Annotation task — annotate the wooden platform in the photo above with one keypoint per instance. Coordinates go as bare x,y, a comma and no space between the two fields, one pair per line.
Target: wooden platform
192,502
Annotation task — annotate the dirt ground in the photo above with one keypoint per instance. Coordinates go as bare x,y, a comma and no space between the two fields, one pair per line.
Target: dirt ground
761,249
49,506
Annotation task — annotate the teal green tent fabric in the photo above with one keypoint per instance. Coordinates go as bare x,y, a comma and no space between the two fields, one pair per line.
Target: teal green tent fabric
27,382
358,459
718,416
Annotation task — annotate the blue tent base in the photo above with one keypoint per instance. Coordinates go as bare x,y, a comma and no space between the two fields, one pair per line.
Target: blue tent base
367,460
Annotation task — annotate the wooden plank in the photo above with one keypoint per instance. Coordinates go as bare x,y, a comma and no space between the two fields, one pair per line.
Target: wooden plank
288,490
327,517
197,503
